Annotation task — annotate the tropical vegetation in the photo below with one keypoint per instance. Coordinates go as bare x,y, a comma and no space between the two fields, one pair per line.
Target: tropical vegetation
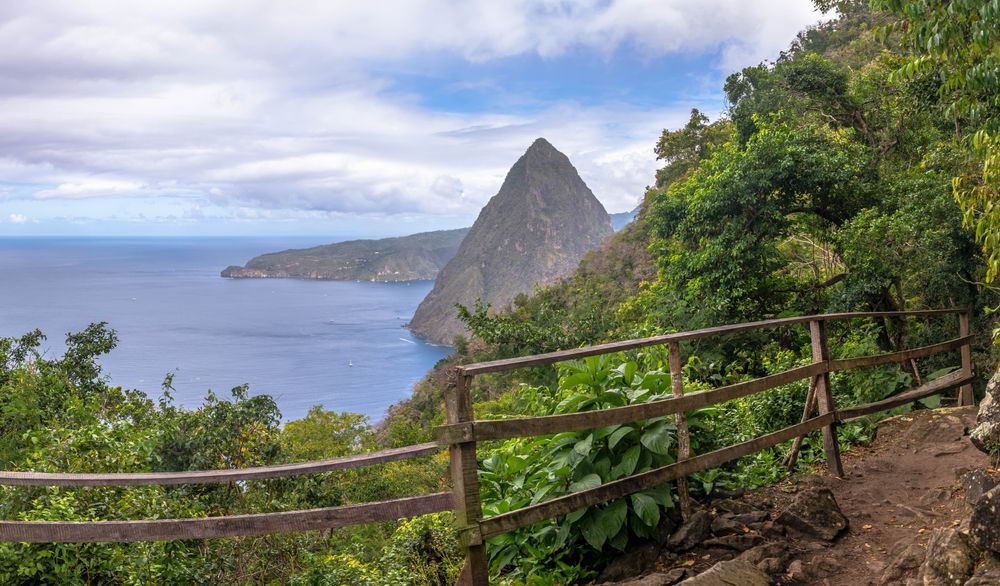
857,172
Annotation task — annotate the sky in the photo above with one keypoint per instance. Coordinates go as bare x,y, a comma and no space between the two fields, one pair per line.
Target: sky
349,118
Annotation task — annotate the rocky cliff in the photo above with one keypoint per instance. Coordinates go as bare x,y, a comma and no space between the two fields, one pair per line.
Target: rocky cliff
408,258
533,231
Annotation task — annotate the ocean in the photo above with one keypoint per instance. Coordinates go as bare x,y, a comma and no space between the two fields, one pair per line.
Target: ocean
339,344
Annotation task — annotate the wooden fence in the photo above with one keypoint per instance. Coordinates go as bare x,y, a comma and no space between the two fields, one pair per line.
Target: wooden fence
462,432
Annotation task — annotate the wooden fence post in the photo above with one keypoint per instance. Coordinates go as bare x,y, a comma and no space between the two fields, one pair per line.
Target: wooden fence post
965,395
465,481
824,396
683,438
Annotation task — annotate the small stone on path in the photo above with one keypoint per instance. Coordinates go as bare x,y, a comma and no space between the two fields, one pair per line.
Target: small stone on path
691,533
730,573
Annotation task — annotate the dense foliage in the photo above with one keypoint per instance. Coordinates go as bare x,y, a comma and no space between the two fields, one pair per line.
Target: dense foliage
956,48
60,414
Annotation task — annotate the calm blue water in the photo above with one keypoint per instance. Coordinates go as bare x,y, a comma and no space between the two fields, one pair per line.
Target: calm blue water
339,344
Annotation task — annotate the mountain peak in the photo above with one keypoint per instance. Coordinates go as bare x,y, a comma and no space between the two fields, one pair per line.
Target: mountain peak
541,144
543,149
532,232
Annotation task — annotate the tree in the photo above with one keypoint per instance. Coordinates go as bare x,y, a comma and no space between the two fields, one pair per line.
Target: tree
684,148
957,42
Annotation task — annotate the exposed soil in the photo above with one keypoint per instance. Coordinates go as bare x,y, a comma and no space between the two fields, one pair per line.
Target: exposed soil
895,492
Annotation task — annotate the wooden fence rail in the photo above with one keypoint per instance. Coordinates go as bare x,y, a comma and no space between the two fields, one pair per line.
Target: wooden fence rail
462,432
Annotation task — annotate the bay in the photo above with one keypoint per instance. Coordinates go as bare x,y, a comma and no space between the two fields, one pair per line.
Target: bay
340,344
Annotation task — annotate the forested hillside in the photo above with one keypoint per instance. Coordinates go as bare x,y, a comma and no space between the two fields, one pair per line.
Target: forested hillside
407,258
828,185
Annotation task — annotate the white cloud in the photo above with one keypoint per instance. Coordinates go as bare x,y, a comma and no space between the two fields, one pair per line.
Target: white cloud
17,219
264,106
91,188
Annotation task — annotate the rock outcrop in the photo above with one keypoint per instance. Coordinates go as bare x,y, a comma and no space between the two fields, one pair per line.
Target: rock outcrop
984,526
986,434
814,512
418,257
532,232
950,558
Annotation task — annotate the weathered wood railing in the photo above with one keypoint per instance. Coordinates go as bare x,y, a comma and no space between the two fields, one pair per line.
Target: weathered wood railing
462,432
226,526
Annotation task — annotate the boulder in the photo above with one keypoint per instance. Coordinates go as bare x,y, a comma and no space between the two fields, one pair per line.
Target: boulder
986,434
905,564
771,566
768,550
976,483
950,559
691,533
751,518
725,525
631,563
729,574
770,558
987,572
984,526
814,512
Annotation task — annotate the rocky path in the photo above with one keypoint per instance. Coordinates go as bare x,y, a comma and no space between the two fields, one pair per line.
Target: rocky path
897,491
904,488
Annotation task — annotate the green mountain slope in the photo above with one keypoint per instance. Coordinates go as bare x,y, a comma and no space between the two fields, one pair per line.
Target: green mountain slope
407,258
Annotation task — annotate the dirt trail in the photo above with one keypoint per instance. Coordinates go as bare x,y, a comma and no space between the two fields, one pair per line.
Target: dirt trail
896,491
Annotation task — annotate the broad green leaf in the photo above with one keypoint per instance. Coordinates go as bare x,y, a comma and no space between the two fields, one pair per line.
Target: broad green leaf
563,534
629,373
658,438
941,372
602,467
618,435
504,557
593,532
605,431
588,481
583,446
574,380
575,516
626,465
646,509
932,402
619,541
612,517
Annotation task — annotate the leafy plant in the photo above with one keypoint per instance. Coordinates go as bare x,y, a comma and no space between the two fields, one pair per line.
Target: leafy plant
522,472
